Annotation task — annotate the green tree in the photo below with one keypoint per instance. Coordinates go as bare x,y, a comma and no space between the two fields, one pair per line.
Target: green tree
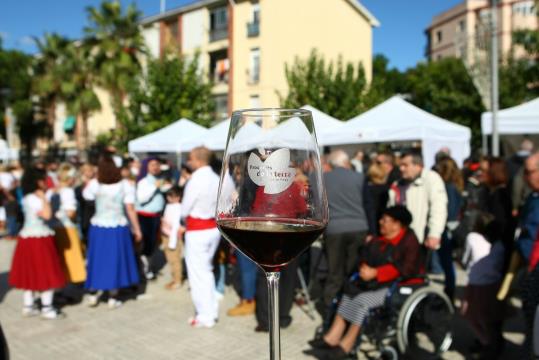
115,44
444,88
15,92
172,88
385,82
337,89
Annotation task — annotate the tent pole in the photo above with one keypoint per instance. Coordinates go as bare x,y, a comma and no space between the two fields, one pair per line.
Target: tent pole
494,78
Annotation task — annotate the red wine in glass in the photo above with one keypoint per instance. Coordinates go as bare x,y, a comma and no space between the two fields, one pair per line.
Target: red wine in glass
272,244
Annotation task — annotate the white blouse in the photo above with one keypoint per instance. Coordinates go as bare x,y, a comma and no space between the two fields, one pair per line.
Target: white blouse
110,200
34,225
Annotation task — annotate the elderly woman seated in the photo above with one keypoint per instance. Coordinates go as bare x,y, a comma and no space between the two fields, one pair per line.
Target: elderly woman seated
396,253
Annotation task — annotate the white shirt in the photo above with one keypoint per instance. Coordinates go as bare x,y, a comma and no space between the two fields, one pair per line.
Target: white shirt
200,194
171,223
6,180
484,260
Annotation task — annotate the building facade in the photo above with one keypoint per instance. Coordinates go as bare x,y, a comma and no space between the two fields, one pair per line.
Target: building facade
463,31
243,46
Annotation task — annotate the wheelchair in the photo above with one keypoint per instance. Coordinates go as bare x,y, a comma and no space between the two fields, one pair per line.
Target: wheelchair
414,323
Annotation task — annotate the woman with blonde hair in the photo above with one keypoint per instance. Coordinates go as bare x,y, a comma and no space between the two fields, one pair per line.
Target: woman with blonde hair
454,185
64,205
376,196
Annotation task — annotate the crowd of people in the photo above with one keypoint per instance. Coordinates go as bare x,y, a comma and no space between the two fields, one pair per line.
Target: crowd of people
101,227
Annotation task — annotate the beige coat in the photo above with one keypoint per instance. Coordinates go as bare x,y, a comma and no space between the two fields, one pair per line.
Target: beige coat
426,199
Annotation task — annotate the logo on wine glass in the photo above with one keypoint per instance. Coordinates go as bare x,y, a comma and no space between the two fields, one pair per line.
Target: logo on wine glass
274,173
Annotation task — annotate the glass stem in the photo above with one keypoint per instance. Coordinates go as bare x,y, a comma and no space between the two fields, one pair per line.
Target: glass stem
273,313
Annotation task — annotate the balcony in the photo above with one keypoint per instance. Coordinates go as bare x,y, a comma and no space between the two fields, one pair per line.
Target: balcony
253,29
218,34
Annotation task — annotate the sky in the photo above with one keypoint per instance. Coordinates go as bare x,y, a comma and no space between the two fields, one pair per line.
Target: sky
401,37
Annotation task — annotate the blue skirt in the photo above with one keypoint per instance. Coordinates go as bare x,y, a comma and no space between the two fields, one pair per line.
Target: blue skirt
111,259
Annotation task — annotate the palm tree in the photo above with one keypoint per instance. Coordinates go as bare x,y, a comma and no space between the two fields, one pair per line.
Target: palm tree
115,42
48,75
78,93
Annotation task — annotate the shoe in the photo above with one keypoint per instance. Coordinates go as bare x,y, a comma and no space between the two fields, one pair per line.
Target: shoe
262,329
335,353
173,285
52,314
29,311
92,300
319,343
195,323
219,296
114,303
245,307
150,275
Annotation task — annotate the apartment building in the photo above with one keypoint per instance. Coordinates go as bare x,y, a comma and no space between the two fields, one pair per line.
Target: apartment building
463,31
244,45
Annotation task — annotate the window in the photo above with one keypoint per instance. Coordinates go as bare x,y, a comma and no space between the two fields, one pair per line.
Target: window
524,8
253,28
462,26
219,66
254,69
256,13
439,36
254,102
221,106
218,23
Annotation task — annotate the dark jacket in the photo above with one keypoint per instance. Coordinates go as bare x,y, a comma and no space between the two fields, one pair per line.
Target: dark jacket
401,256
529,225
375,199
344,190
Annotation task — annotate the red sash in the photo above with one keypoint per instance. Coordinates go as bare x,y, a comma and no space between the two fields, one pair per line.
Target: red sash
193,224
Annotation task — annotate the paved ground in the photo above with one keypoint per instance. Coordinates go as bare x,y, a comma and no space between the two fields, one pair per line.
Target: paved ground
156,328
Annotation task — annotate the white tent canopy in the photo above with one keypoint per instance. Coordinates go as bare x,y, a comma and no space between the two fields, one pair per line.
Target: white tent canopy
171,138
397,120
214,139
324,124
521,119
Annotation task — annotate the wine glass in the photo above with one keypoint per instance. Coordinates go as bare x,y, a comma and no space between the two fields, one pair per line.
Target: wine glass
272,202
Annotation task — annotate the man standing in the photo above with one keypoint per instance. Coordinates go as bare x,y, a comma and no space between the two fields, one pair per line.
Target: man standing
528,246
149,205
423,192
202,236
347,226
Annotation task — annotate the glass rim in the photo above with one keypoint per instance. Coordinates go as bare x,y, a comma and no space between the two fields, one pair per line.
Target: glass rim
258,112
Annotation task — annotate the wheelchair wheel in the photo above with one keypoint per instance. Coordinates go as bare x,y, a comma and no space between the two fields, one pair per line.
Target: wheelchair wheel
424,324
389,353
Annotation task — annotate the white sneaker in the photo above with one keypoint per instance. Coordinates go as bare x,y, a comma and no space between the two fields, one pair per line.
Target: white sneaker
114,303
195,323
29,311
219,296
92,300
52,314
150,275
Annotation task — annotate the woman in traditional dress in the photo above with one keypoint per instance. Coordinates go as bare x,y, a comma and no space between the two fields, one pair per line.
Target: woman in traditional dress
112,263
36,266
